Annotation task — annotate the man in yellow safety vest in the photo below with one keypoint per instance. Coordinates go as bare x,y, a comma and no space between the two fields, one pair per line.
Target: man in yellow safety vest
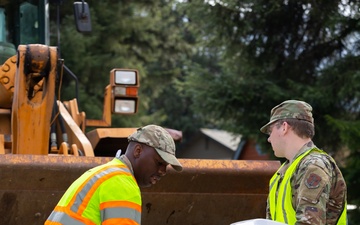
110,194
309,187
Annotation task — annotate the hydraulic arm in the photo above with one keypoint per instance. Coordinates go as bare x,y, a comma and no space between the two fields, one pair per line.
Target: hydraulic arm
33,98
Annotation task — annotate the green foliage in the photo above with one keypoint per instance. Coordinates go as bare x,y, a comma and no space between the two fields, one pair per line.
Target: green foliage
263,52
225,65
253,55
352,173
140,35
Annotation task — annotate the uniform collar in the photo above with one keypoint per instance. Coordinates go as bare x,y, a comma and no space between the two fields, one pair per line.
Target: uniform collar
304,148
309,145
126,161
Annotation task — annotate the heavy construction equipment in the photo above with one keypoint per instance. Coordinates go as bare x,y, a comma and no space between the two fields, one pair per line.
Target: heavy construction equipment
44,147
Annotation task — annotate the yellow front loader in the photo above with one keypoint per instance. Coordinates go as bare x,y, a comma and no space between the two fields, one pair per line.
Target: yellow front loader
33,122
44,148
34,174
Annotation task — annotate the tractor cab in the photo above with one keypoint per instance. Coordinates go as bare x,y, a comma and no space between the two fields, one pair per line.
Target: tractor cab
22,22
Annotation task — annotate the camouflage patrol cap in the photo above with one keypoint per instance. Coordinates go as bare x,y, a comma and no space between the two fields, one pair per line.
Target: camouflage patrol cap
158,138
290,109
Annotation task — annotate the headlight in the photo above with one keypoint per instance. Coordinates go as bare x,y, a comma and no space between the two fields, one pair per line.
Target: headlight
125,77
125,106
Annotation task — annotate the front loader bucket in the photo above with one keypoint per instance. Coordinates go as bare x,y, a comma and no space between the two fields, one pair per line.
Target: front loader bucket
31,185
205,192
209,192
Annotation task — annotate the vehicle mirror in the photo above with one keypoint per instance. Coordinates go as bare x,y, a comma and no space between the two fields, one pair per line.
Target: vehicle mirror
82,17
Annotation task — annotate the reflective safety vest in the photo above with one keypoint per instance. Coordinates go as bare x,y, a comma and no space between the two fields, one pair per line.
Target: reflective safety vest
281,208
107,194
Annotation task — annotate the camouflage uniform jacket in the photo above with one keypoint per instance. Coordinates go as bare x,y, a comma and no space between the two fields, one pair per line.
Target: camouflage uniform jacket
318,189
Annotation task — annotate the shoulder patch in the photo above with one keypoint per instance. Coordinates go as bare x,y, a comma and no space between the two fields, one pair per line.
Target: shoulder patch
313,181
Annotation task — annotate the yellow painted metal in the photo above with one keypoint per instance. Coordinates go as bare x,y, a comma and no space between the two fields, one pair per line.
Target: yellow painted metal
78,117
106,141
5,121
207,192
2,144
106,117
75,134
33,98
7,74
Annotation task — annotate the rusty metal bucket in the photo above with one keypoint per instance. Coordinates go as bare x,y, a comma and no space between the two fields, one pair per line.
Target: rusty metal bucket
206,192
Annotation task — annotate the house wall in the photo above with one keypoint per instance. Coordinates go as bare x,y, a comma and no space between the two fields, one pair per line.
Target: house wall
205,148
250,152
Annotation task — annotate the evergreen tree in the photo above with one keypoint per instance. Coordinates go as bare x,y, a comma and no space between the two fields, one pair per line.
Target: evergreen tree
146,36
225,65
255,54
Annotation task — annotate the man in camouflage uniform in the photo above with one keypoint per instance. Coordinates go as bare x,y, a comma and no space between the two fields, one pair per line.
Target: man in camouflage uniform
309,187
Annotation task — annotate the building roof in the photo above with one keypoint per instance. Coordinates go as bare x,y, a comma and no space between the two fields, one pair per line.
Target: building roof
225,138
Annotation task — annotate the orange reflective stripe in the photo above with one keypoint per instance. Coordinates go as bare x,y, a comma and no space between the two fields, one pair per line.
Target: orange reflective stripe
120,221
60,209
47,222
88,196
73,215
95,186
126,204
73,208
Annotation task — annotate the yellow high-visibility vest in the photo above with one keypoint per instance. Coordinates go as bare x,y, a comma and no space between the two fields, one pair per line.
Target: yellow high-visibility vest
281,208
107,194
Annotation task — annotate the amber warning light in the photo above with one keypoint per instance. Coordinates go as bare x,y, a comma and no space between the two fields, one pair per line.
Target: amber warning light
125,84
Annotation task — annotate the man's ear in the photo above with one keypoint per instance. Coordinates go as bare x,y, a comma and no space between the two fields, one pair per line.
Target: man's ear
286,127
137,151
